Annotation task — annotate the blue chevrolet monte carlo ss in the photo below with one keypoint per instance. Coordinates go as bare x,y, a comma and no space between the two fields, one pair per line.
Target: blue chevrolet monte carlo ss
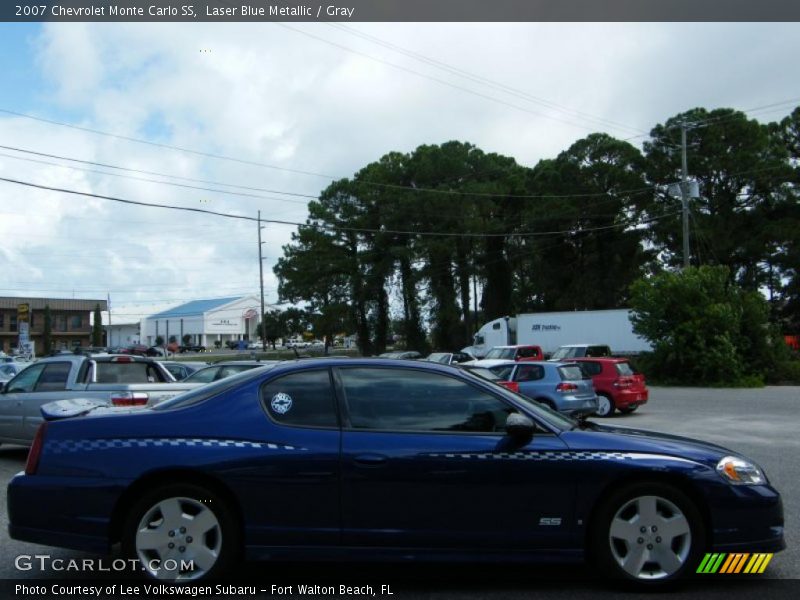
365,459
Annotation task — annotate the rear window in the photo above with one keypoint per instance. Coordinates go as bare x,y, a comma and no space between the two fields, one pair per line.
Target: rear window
598,351
127,372
502,371
532,352
571,373
507,353
624,368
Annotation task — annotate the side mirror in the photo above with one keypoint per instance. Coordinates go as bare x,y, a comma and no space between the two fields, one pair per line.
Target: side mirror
519,426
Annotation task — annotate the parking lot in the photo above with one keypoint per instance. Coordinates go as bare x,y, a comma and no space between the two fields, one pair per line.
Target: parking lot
760,423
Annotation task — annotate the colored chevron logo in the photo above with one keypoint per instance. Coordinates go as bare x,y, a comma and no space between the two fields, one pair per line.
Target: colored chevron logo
734,563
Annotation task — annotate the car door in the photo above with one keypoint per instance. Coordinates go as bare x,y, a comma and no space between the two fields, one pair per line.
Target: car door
426,463
11,400
49,387
530,378
294,497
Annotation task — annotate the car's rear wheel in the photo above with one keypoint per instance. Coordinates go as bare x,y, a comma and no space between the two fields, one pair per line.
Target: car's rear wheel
182,532
605,406
648,533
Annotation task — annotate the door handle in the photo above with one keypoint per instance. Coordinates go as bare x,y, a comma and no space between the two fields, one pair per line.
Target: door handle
370,460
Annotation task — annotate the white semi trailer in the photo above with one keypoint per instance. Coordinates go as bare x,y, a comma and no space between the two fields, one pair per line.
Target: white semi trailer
550,330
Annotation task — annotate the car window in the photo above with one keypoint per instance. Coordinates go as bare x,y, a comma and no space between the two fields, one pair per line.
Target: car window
529,373
233,370
303,399
439,357
598,351
202,376
485,373
505,353
563,353
54,377
502,371
527,353
25,381
177,371
126,372
624,368
408,400
591,367
571,373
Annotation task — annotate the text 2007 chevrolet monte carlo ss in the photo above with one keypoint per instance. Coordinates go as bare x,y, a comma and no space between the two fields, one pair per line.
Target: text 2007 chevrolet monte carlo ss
364,459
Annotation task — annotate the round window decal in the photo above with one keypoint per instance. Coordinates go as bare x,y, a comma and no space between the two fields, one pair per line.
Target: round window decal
281,403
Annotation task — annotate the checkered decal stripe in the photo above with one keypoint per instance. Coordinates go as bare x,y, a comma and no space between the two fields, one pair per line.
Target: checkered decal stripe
67,446
552,455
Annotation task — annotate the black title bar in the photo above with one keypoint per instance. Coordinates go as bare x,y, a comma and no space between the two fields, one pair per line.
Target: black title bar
192,11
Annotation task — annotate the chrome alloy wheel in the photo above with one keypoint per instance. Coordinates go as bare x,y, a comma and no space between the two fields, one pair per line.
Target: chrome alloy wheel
178,538
604,406
650,538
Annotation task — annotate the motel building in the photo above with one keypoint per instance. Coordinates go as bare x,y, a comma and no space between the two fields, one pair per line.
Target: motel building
205,321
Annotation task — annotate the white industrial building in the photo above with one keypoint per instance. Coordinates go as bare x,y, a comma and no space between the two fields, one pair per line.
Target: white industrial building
122,334
206,321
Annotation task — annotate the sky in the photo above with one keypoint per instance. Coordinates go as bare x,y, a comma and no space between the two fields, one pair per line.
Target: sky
308,103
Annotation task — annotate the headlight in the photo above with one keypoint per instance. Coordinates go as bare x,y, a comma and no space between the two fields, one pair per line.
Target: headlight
740,471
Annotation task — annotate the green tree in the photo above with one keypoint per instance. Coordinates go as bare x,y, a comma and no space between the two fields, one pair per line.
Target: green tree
159,340
741,166
47,331
274,326
704,329
97,327
186,339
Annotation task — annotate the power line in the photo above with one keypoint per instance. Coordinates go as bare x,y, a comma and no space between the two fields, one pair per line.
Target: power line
167,146
156,173
480,79
310,224
170,183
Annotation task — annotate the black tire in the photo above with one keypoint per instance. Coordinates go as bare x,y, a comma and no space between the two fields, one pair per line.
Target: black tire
228,545
628,410
612,406
600,543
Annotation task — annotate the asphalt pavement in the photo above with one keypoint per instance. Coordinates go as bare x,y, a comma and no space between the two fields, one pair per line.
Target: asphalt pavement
760,423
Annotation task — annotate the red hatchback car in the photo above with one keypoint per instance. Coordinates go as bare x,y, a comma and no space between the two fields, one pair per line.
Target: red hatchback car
617,385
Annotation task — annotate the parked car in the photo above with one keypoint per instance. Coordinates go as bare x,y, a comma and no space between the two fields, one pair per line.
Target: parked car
9,369
225,369
579,351
561,386
135,349
519,353
617,385
402,355
296,460
182,370
491,376
449,358
110,380
192,348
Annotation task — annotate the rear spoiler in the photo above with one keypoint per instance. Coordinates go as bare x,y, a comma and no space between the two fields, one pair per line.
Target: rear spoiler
64,409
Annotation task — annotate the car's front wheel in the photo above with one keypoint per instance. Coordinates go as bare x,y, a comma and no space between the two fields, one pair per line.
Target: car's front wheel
648,533
182,532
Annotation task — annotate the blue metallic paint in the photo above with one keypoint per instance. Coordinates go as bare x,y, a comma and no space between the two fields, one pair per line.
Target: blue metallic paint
360,494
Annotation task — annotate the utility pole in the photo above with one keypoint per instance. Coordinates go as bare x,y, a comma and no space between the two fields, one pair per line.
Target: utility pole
261,278
685,196
108,305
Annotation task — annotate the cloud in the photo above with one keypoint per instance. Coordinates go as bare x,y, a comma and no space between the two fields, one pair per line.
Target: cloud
268,94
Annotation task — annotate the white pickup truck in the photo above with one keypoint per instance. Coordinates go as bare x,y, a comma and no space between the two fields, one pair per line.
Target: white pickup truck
115,380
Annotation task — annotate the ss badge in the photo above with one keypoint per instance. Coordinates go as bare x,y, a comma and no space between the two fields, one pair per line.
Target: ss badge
550,521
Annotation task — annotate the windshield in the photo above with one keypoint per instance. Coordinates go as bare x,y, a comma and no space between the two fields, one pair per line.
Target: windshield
507,353
439,357
563,353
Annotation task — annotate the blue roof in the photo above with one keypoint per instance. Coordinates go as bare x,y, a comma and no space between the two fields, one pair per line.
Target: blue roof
194,308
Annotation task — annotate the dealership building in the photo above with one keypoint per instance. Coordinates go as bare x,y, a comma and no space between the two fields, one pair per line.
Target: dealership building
204,321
